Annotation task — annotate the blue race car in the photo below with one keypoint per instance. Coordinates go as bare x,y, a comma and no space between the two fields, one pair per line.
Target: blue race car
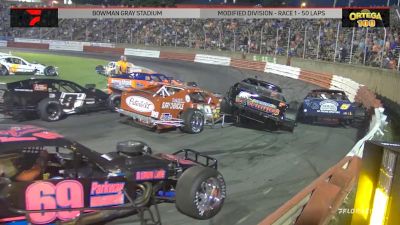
324,105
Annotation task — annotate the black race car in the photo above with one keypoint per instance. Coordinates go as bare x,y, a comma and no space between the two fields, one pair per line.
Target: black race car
50,99
47,179
260,101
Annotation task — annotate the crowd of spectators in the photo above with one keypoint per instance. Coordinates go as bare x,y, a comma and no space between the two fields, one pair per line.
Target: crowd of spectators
323,39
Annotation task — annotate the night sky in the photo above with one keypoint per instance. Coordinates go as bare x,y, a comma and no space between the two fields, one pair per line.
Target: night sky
311,3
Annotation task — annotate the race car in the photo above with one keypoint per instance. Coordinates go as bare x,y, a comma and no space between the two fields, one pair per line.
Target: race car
48,179
262,102
137,80
13,65
50,99
330,106
168,106
110,69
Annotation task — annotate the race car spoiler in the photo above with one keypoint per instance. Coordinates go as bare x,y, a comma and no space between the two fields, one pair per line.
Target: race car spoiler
197,157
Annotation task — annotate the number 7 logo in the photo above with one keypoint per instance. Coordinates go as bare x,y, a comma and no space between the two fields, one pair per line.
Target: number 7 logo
34,12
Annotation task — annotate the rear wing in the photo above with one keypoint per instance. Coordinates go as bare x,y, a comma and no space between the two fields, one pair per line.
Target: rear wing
197,157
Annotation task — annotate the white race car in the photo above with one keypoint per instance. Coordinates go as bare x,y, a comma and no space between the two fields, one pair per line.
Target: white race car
10,65
110,69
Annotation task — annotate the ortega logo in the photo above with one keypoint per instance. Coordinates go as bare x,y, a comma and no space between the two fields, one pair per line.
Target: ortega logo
366,18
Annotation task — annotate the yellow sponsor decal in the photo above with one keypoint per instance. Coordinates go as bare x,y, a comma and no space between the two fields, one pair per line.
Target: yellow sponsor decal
13,68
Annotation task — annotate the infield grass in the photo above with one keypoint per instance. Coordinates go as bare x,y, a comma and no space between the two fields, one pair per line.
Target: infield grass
78,69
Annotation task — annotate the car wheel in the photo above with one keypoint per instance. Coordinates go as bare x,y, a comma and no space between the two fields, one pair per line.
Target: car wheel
193,120
114,102
226,106
3,71
100,69
50,71
237,118
50,110
200,192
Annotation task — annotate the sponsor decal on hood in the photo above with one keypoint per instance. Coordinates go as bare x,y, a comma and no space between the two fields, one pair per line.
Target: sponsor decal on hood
139,104
328,106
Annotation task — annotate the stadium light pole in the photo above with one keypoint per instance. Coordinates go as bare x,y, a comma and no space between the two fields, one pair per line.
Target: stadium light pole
388,3
205,36
319,41
276,41
337,40
351,46
234,40
365,46
334,3
398,63
288,44
383,46
261,39
304,44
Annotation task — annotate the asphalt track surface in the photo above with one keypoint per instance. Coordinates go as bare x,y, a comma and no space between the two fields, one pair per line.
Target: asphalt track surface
262,169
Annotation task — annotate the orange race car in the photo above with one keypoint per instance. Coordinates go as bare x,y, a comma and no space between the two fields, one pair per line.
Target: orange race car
137,80
168,106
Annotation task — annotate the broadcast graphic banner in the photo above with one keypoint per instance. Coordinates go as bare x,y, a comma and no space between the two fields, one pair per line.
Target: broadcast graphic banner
199,13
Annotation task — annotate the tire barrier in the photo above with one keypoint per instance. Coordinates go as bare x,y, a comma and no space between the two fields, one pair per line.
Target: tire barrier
316,203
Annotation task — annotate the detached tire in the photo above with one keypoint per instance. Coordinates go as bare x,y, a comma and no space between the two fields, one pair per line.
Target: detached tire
114,102
200,192
50,71
50,110
193,120
3,71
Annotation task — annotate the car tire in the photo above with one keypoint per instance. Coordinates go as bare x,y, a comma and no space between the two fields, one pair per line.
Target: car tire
193,195
50,71
100,69
4,71
226,106
50,110
193,120
114,102
237,118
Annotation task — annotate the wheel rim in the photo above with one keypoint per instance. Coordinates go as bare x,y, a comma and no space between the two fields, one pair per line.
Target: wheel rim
117,103
3,71
197,122
209,196
50,72
52,112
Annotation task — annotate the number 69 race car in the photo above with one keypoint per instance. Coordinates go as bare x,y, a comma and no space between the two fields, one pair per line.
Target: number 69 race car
47,179
10,65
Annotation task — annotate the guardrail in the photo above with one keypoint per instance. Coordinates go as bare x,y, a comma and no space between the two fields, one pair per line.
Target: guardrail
318,201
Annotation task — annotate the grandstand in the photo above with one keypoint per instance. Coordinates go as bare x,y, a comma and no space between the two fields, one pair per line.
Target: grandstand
314,39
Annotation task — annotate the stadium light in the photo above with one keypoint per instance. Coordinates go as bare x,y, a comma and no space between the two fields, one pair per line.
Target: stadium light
303,4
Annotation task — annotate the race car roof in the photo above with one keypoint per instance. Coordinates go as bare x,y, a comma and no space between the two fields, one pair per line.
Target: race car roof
328,91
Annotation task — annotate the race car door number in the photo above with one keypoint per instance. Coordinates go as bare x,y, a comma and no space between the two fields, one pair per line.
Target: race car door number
45,195
72,100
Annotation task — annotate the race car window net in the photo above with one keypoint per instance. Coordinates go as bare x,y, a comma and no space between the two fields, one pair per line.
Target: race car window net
260,90
197,97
